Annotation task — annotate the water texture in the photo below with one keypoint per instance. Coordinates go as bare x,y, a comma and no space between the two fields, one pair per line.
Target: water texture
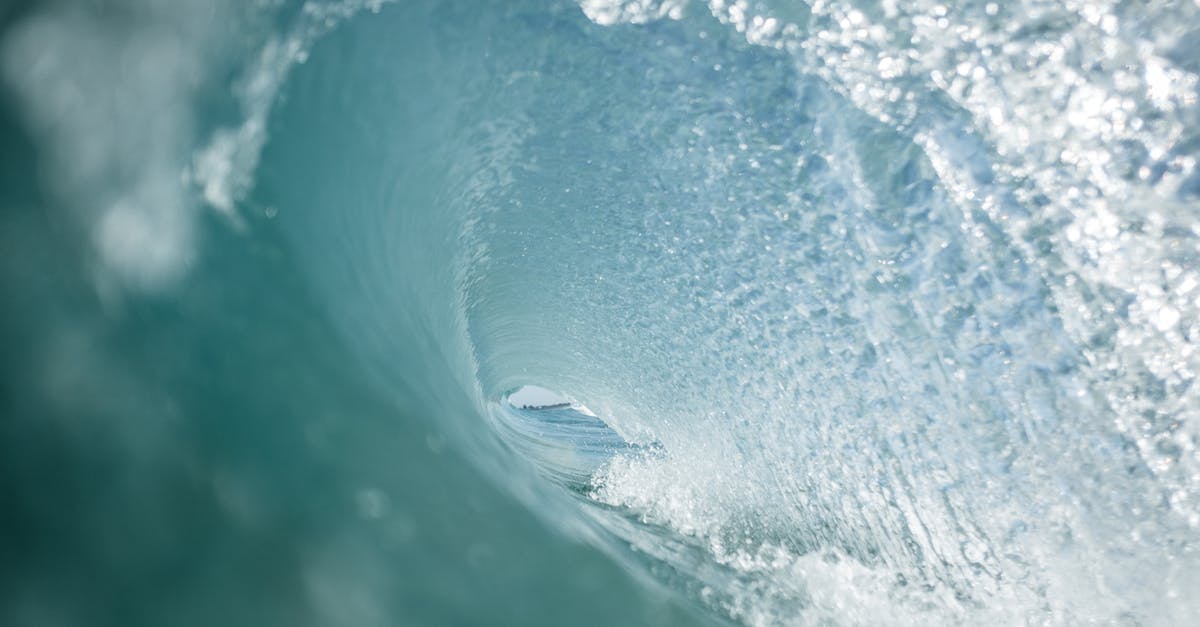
853,313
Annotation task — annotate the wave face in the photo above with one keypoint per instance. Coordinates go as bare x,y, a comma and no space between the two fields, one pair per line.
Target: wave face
865,313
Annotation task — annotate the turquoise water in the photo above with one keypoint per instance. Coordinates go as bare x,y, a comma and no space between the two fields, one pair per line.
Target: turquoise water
862,313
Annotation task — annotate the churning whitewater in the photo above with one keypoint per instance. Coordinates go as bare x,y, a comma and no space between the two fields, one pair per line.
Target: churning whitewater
840,312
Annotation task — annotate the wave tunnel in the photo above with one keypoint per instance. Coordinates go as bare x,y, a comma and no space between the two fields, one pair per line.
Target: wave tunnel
599,312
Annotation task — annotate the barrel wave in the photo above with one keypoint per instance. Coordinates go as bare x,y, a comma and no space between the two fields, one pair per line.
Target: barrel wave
847,313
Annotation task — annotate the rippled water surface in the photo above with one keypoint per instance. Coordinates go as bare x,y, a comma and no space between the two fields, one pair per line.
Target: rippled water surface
846,313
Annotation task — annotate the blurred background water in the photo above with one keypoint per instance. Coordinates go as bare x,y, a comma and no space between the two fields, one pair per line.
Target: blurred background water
859,312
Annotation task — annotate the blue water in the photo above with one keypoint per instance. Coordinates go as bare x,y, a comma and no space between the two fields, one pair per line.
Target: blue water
862,313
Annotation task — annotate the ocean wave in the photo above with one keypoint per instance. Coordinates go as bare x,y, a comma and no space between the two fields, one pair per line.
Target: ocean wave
864,313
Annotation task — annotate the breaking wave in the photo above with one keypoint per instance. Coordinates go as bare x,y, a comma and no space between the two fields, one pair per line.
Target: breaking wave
863,312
